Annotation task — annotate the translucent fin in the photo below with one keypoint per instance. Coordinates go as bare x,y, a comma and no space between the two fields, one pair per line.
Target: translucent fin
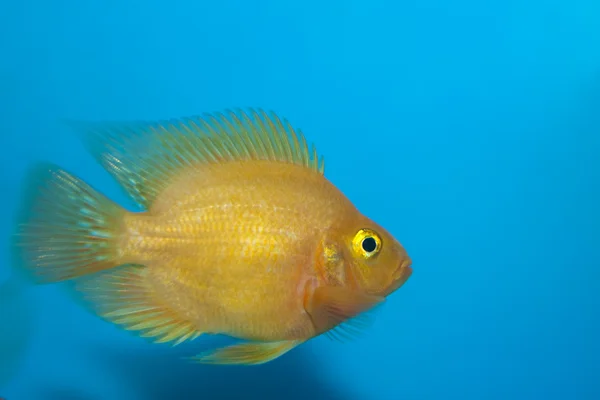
351,329
331,307
68,229
125,297
145,156
246,353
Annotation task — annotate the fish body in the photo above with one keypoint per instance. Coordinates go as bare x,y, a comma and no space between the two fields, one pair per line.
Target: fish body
241,234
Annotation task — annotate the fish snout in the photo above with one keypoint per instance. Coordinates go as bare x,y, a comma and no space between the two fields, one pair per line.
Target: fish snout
401,274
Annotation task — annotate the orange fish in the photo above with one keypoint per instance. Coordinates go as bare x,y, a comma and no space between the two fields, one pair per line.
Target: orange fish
241,234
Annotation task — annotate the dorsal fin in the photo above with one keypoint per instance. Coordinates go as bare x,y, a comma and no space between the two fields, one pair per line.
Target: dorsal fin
144,156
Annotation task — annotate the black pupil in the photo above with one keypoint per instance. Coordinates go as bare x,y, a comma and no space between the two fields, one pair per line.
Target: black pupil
369,244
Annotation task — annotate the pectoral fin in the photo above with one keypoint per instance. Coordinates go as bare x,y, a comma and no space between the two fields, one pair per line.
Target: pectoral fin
246,353
352,328
332,306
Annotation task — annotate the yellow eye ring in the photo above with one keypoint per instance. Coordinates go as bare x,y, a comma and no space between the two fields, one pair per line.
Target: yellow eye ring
366,243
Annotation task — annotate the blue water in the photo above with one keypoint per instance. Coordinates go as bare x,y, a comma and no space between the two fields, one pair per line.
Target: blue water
469,129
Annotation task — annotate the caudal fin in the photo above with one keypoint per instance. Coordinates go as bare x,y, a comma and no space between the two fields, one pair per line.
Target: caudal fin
67,228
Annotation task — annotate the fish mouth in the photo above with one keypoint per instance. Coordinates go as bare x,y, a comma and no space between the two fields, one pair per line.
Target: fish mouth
401,275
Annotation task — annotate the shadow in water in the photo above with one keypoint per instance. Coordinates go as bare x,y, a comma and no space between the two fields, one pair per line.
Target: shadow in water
61,394
155,375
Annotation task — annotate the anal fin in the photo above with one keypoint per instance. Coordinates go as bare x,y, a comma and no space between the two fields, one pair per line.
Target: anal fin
125,297
246,353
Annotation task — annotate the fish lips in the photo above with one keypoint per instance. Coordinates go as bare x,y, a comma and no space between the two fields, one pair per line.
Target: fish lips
400,276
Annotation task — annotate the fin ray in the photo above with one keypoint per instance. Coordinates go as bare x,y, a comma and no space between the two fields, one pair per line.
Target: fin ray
145,156
246,353
68,228
126,298
351,329
338,307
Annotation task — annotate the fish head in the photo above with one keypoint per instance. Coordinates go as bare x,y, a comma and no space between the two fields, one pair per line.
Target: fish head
375,261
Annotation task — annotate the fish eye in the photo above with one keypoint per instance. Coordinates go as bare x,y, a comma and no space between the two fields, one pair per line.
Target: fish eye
369,244
366,243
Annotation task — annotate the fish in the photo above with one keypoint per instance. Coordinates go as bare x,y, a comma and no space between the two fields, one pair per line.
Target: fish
236,232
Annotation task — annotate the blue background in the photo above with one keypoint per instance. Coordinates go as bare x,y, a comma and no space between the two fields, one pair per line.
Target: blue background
480,118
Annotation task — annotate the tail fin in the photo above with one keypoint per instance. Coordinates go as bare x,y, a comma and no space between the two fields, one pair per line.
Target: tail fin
69,229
